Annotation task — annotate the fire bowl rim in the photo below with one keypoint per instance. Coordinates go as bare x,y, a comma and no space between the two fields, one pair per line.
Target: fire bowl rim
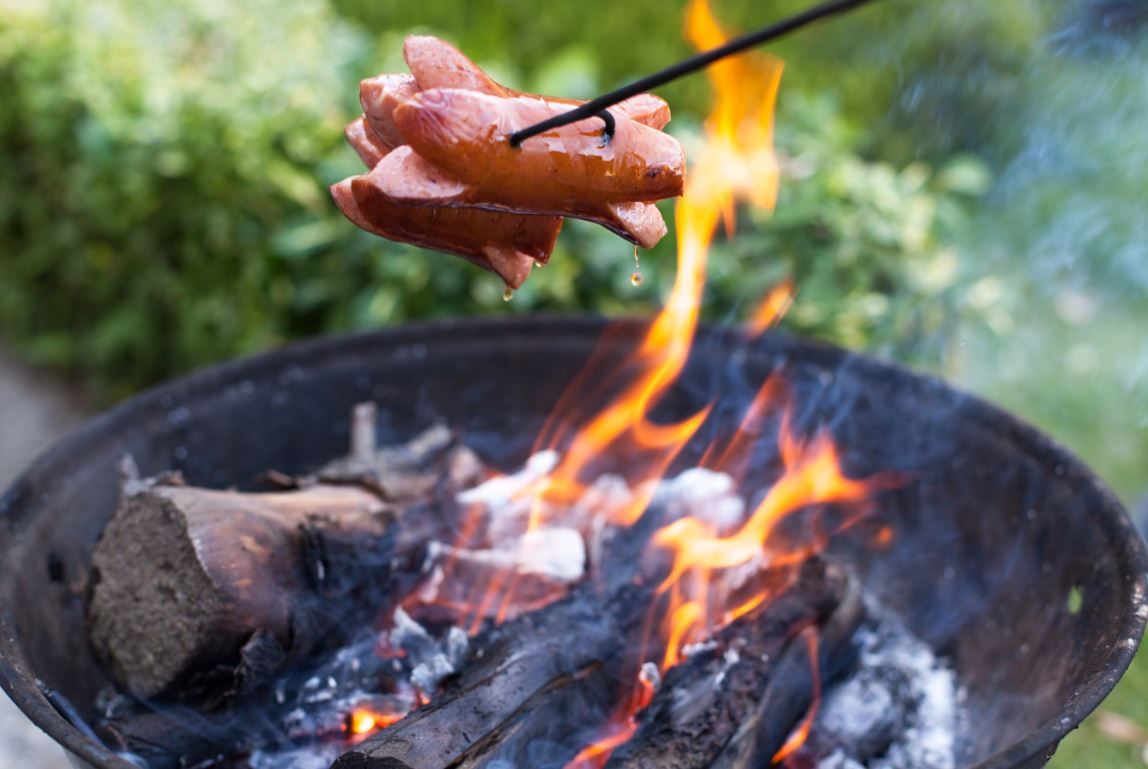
23,687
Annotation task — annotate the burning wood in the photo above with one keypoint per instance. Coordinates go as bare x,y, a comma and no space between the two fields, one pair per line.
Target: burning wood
735,702
523,678
231,585
528,697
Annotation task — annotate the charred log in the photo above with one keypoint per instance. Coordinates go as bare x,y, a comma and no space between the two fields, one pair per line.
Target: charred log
734,705
546,678
231,586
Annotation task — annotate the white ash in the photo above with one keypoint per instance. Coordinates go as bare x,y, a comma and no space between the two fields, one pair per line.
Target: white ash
729,658
309,757
431,660
426,676
552,551
501,490
650,675
690,650
898,710
707,495
409,635
457,646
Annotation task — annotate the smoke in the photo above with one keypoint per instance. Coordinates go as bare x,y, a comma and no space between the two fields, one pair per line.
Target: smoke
1058,262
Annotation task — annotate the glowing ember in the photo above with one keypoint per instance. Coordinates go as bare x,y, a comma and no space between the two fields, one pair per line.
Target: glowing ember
362,722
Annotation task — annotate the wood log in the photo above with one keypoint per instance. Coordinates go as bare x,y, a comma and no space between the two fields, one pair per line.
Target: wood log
213,592
209,594
542,682
735,704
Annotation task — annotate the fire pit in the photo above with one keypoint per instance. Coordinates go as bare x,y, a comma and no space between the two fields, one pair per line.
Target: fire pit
1006,555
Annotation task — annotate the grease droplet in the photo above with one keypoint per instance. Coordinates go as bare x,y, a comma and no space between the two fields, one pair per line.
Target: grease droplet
508,294
636,278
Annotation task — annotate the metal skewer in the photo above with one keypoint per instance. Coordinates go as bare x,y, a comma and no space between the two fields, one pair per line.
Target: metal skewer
597,107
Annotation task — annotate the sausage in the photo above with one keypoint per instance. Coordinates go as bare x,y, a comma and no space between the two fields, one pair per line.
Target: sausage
462,158
435,63
407,198
362,140
408,179
505,244
379,96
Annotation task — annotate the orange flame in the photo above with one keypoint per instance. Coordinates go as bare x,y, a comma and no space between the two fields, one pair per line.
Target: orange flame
772,308
736,162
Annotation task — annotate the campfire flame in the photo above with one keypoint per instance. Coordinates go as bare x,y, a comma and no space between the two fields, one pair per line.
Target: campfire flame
735,163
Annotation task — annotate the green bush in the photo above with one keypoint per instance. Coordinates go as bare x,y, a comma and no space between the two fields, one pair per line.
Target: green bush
164,200
151,152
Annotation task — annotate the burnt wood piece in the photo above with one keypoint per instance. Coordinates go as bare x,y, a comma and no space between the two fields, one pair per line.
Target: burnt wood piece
407,472
214,592
553,674
735,704
789,694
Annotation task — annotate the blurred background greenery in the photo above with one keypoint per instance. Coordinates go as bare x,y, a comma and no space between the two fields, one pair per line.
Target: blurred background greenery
965,188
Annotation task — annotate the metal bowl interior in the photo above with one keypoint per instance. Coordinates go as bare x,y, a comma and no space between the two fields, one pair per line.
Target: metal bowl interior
1010,556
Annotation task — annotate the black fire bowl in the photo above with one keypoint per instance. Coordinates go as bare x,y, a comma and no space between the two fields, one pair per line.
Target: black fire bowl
1010,556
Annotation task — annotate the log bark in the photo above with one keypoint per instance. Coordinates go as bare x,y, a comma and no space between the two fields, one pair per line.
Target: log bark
735,704
532,692
209,594
213,592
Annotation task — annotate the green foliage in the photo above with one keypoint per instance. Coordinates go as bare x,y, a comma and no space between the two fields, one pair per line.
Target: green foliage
165,201
151,151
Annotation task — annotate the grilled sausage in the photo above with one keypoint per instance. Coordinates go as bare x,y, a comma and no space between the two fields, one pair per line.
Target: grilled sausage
379,96
462,158
435,63
363,141
506,244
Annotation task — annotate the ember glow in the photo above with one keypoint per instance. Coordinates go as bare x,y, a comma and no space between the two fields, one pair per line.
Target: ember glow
362,722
